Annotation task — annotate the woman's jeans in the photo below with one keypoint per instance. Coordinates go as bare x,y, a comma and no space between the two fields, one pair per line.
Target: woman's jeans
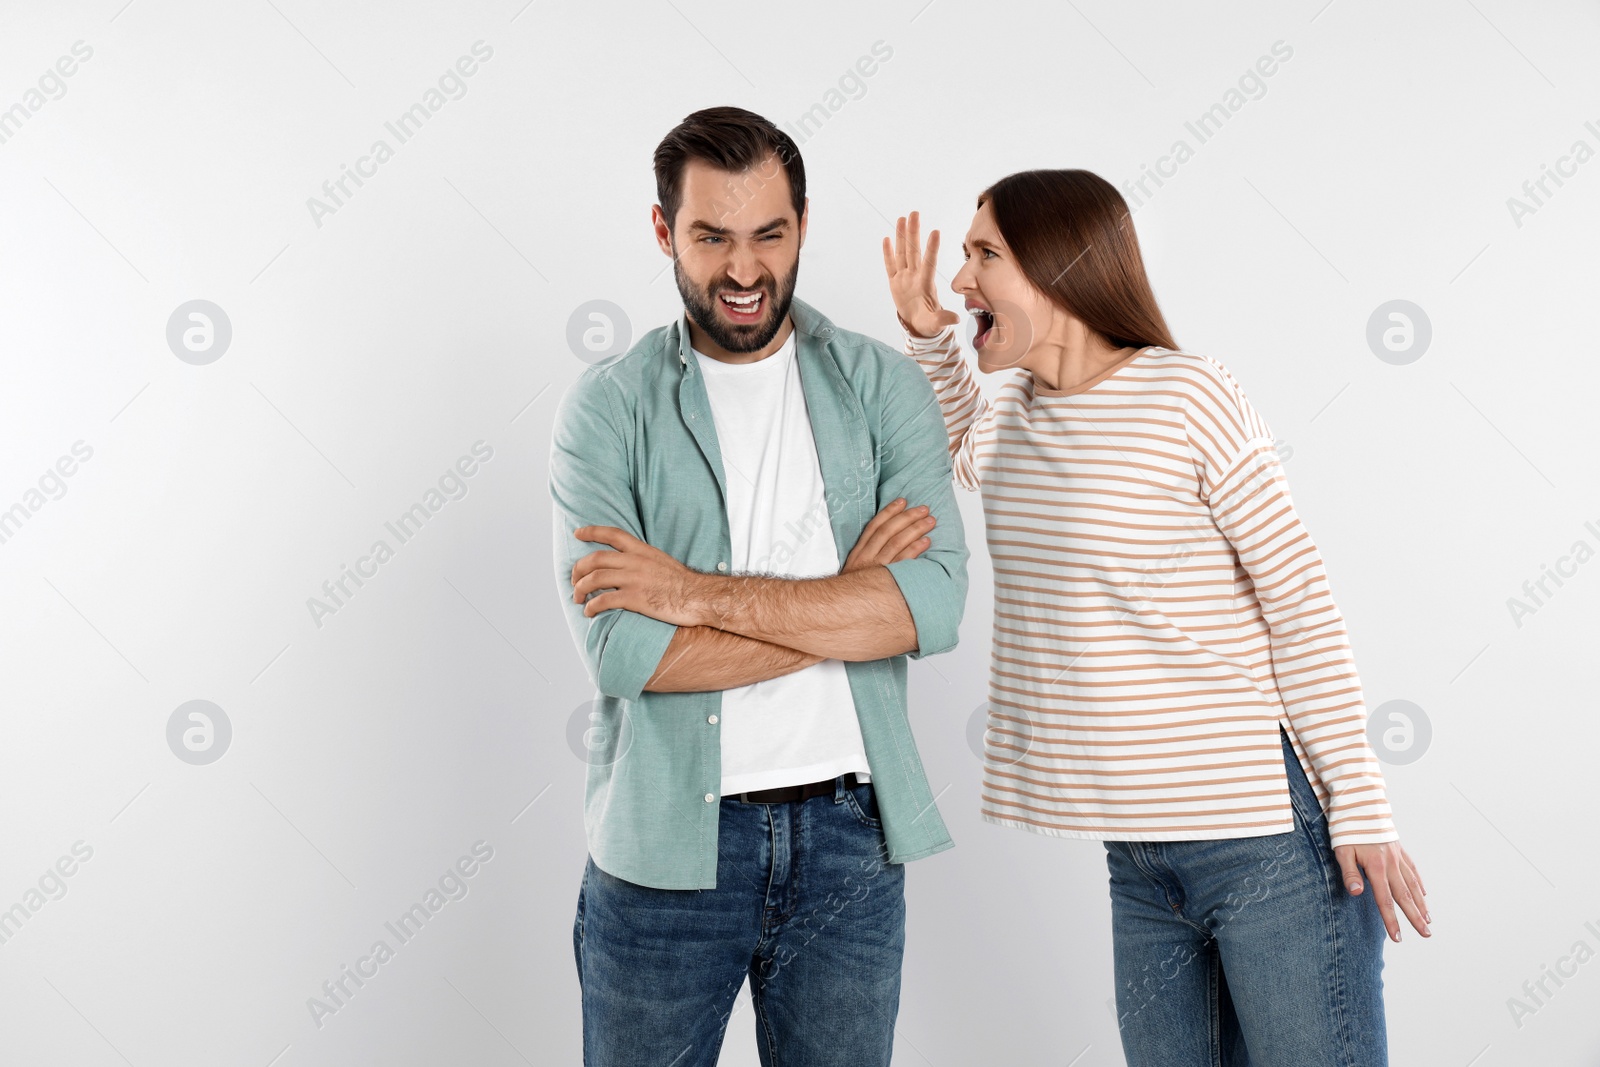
1246,950
806,904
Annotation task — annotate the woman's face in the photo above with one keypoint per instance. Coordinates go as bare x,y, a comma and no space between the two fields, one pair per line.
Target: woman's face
1011,314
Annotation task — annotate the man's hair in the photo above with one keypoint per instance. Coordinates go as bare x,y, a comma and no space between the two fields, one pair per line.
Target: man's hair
728,138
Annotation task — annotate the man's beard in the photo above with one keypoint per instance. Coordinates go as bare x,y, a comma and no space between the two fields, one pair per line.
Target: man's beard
701,304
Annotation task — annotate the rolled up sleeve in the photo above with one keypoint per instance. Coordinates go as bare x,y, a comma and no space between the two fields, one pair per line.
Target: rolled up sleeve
914,463
631,647
590,485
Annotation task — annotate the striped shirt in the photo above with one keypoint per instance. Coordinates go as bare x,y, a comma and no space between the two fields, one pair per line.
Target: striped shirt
1159,610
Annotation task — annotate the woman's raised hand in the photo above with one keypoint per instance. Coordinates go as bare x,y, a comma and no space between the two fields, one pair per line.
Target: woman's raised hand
910,271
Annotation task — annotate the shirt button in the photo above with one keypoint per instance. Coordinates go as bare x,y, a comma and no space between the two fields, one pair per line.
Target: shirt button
712,719
722,566
709,798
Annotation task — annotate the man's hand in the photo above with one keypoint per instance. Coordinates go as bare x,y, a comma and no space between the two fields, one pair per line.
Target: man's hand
641,578
895,533
1394,881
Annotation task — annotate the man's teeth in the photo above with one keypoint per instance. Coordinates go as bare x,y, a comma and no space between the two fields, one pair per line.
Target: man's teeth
745,303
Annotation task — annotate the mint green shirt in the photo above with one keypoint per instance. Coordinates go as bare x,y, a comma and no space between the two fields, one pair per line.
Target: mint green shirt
635,446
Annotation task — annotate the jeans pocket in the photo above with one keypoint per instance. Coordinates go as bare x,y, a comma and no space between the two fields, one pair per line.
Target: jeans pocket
863,804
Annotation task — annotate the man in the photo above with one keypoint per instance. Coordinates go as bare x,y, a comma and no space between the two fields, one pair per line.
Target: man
754,789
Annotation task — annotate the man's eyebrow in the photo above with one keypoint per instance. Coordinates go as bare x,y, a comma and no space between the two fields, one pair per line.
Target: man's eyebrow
706,227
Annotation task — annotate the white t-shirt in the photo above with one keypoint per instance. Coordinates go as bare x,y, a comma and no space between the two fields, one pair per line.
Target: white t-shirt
802,726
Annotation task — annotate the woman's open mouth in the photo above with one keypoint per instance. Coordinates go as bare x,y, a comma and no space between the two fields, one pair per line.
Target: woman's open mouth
745,308
984,318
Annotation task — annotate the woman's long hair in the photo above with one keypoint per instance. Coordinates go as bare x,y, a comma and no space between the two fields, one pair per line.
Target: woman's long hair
1073,238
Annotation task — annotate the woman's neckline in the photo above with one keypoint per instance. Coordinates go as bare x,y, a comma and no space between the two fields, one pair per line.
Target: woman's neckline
1084,386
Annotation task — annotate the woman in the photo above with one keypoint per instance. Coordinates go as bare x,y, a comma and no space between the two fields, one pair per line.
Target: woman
1170,674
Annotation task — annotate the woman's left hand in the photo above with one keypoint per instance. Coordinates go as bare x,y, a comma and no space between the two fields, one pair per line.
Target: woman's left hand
1394,881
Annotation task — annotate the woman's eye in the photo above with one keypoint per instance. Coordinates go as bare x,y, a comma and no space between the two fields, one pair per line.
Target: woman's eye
989,252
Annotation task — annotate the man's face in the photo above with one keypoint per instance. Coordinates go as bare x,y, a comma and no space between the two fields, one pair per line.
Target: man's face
736,251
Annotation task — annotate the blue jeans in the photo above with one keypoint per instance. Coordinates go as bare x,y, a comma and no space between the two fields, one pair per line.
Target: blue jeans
1246,951
806,904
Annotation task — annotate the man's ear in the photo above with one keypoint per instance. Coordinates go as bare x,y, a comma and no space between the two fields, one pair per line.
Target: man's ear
658,220
805,213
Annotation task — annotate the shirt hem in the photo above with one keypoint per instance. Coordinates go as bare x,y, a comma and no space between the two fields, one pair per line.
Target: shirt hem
1199,834
907,857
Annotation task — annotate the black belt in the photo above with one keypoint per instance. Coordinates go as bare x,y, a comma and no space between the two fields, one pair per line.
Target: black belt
785,793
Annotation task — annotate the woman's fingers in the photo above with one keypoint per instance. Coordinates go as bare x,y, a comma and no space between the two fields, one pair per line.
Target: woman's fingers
931,260
1394,887
1401,894
1391,921
907,253
1378,874
1410,897
1349,868
1414,880
911,270
1416,875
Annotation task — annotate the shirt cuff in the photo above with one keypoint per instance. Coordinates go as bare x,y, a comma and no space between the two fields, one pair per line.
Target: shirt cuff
928,590
919,346
1355,829
633,650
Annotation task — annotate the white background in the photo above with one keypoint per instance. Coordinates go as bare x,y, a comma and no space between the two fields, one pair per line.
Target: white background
430,312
